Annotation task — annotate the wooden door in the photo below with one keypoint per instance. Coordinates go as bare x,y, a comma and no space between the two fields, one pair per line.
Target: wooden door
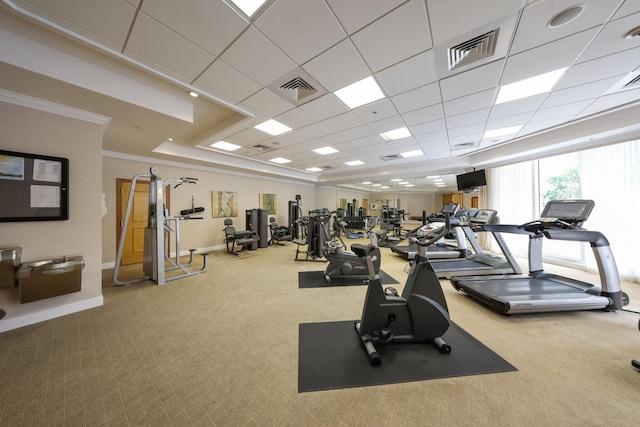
133,249
474,202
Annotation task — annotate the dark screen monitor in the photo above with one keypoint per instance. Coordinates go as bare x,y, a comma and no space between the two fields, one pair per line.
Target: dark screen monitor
471,180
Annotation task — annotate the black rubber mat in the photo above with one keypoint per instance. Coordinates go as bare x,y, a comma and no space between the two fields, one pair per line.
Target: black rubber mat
331,356
315,279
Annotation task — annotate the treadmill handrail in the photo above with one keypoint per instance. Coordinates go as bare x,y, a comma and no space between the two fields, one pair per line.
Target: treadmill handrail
505,228
596,238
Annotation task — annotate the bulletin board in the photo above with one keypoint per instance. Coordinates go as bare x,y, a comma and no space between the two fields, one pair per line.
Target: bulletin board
33,187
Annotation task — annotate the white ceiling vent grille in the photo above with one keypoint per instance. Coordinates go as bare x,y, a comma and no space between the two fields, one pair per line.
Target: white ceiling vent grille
630,81
297,87
477,48
390,157
464,145
261,147
326,168
633,83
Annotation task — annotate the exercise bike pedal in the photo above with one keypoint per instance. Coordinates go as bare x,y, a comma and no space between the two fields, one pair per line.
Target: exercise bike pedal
391,291
383,336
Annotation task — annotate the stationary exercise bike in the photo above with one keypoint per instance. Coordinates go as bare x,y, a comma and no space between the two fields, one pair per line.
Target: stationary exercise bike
347,263
634,362
419,315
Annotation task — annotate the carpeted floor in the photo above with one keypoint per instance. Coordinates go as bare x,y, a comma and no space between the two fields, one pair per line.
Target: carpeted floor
222,349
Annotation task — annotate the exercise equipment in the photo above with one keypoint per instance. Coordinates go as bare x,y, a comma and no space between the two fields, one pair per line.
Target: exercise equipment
278,233
635,363
156,234
478,262
244,239
441,249
420,314
315,232
348,263
540,291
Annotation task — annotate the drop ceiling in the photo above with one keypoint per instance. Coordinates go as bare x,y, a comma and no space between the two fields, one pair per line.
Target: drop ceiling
134,61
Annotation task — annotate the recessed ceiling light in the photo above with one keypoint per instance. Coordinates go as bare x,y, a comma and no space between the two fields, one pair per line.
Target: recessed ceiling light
360,93
280,160
502,132
366,182
413,153
403,182
313,169
395,180
248,7
376,185
565,16
354,163
385,186
193,93
433,176
395,134
635,33
273,127
410,185
325,150
528,87
170,139
227,146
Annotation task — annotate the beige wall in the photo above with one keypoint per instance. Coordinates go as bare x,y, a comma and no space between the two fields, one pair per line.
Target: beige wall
32,131
202,234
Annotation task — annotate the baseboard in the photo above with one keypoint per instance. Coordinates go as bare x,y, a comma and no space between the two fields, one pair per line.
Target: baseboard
9,323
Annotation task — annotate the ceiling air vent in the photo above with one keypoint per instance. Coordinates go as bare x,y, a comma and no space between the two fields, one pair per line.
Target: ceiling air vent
261,147
391,157
297,88
633,83
630,81
464,145
472,50
326,168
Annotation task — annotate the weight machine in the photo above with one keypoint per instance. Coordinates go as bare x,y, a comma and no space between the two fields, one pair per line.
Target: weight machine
156,259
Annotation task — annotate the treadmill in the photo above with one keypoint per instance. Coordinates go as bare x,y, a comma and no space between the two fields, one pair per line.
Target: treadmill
440,249
479,262
540,291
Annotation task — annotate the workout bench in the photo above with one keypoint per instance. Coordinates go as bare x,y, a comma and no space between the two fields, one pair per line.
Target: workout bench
235,238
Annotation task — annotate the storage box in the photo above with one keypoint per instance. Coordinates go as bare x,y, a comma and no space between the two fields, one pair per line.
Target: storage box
49,278
9,263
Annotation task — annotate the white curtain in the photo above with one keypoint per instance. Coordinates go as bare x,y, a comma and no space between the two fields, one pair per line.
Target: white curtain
511,191
611,177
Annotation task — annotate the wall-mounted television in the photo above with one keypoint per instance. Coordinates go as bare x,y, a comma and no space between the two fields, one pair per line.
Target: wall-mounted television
33,187
471,181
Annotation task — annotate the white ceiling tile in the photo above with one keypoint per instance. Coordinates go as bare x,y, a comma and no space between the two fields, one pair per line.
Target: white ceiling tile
540,125
338,67
417,98
248,137
612,38
475,80
525,105
470,129
310,28
627,8
257,57
429,127
410,74
552,56
324,107
296,118
560,110
390,123
423,115
359,132
227,81
194,22
601,68
451,18
368,141
343,121
355,14
399,35
267,102
533,29
99,20
508,121
153,41
579,93
613,100
477,116
374,111
465,104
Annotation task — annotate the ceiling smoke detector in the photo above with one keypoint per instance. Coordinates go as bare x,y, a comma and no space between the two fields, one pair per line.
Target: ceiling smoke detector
472,50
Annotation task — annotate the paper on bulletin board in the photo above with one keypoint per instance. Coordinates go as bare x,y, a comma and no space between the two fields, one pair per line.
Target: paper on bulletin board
47,170
45,196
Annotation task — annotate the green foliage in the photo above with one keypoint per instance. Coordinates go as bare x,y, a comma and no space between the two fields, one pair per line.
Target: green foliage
564,186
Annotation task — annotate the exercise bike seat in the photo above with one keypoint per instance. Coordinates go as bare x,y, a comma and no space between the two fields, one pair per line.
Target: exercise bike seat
362,250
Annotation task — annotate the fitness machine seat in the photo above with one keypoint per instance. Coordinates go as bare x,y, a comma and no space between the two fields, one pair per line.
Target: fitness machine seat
279,233
235,238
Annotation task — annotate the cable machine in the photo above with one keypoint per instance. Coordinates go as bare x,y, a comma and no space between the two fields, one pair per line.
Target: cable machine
157,234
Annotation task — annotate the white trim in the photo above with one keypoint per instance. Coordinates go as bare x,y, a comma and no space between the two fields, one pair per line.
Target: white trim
117,155
52,107
10,323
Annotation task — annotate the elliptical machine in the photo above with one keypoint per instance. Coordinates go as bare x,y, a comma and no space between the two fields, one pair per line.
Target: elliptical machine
419,315
348,263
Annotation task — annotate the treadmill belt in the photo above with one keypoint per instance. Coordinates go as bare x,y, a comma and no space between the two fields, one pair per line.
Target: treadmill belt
459,265
520,286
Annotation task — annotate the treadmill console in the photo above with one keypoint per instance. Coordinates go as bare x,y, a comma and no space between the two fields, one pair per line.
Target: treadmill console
484,216
450,208
574,212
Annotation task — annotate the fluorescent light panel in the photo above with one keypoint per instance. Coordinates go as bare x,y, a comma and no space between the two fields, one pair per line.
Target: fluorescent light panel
325,150
413,153
280,160
227,146
395,134
354,163
248,7
511,130
313,169
528,87
360,93
273,127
